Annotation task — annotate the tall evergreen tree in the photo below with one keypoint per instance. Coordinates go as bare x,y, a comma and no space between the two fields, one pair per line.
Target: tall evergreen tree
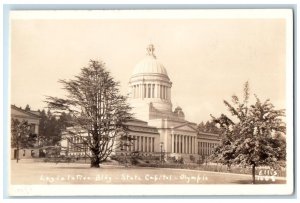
96,106
50,128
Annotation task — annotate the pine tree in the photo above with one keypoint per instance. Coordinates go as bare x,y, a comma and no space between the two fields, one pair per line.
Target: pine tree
253,136
27,108
96,106
50,129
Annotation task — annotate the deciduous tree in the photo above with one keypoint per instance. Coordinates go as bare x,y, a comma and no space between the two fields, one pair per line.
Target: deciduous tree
21,135
253,135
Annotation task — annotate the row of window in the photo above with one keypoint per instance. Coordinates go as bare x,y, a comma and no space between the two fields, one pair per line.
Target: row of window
151,91
76,139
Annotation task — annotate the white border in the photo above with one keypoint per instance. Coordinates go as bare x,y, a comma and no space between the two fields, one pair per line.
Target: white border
209,189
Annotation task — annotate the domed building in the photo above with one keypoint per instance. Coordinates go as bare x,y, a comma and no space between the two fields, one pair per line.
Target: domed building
150,96
156,129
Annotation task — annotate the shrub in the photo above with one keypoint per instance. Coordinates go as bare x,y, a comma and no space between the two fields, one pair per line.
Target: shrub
192,158
181,160
134,161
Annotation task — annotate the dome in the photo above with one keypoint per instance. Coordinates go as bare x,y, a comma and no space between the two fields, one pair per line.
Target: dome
178,111
178,108
150,64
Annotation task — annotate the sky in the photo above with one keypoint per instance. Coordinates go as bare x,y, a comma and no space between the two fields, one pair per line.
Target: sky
207,60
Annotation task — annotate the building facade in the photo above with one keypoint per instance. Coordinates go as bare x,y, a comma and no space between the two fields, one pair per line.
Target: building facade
157,127
150,96
33,120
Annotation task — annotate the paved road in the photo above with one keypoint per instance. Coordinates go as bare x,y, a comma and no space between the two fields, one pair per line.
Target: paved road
26,172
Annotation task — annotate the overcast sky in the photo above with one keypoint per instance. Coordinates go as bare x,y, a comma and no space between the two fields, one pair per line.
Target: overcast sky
207,60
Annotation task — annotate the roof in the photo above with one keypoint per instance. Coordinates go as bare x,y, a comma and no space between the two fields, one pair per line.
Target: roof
36,113
29,113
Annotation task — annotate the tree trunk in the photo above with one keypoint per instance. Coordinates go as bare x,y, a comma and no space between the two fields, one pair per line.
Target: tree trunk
95,162
253,174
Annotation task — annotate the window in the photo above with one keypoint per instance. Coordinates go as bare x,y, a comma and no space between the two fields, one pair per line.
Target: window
145,88
32,128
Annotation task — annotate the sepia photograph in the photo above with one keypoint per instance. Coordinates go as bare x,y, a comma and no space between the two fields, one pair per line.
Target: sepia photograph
151,102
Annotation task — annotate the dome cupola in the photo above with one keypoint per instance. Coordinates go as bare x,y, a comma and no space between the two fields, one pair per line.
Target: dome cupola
150,83
150,65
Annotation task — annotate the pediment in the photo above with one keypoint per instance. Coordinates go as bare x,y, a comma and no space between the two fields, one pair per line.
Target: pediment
185,127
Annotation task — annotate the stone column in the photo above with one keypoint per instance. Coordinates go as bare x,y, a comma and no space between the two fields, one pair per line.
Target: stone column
178,140
146,90
194,142
158,91
149,144
183,144
193,145
133,143
141,90
190,145
166,93
172,143
186,145
141,144
180,145
175,141
153,90
145,144
153,139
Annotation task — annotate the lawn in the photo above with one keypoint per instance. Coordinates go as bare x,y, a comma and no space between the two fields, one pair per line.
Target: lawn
29,172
